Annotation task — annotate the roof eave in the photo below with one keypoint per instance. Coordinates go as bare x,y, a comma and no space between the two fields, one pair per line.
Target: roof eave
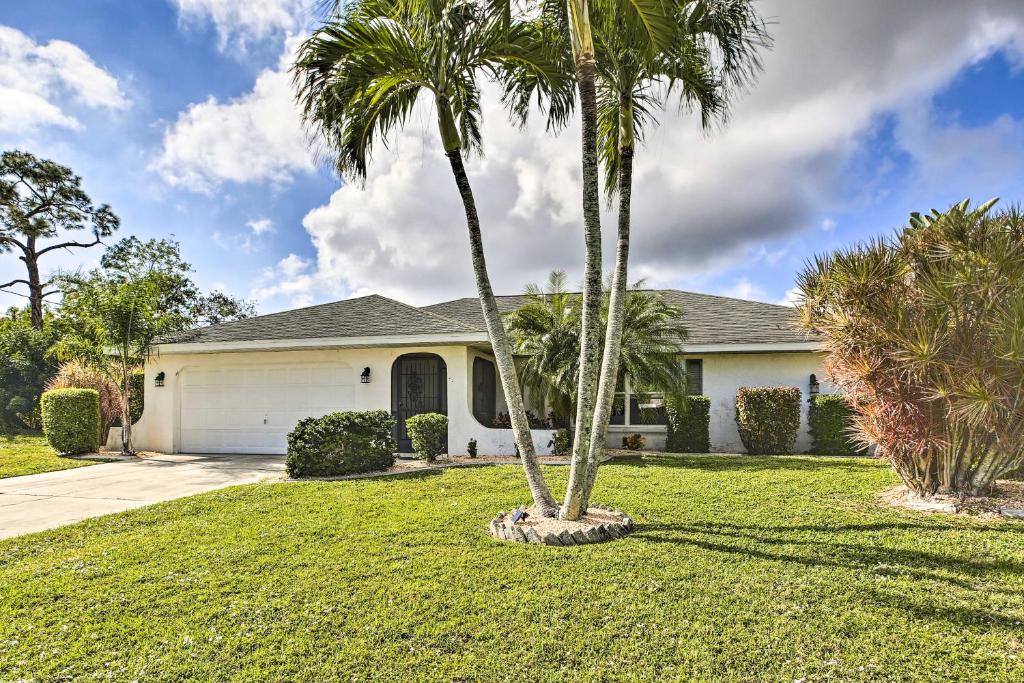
437,339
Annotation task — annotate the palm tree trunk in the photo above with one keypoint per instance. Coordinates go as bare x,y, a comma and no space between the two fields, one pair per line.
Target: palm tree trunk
590,345
542,498
613,335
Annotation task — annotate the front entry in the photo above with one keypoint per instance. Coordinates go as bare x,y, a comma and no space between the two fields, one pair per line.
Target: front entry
419,384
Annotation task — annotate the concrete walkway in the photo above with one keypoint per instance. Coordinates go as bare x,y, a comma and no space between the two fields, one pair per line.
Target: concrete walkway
43,501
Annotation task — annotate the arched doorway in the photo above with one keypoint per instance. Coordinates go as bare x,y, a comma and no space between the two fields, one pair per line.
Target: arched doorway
419,384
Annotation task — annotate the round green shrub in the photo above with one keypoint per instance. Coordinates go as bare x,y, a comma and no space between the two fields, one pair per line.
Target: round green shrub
688,429
471,448
71,420
768,419
341,443
830,420
429,434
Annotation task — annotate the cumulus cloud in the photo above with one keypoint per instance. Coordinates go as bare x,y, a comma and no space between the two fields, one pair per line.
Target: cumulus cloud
702,205
242,22
40,82
257,137
260,226
292,282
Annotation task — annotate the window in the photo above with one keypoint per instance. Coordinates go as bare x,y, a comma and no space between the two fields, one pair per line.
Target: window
694,376
635,405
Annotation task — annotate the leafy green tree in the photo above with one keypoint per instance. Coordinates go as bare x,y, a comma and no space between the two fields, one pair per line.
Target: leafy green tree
546,332
25,365
179,296
359,78
40,200
925,337
113,317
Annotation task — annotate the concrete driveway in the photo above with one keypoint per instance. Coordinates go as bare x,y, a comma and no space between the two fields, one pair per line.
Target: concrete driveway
44,501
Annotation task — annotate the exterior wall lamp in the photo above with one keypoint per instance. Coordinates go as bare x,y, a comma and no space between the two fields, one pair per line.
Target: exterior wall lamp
365,376
159,379
814,386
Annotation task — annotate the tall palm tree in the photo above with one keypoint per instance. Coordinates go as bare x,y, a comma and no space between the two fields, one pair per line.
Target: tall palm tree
546,330
716,50
360,76
638,22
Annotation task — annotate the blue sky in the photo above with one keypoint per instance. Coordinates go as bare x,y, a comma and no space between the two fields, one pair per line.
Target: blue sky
862,115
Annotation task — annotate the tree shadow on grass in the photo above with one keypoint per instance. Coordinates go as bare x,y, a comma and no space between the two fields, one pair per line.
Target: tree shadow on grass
711,462
870,558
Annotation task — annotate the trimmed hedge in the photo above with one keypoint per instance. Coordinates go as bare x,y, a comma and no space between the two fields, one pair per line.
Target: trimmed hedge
689,425
341,443
71,420
830,420
768,419
429,434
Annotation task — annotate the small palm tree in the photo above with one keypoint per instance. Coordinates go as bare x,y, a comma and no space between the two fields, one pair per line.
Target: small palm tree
546,330
360,76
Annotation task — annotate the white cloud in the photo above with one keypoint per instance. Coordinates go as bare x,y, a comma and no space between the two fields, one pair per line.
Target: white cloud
828,225
257,137
39,82
260,226
792,297
241,22
701,206
743,288
291,282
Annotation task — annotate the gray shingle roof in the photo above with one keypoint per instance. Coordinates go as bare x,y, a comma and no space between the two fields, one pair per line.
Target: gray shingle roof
709,319
366,316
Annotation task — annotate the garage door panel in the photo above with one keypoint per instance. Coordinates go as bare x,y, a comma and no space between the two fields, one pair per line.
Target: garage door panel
251,409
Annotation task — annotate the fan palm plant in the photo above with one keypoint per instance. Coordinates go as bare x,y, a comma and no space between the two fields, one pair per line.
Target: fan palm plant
546,330
715,49
359,78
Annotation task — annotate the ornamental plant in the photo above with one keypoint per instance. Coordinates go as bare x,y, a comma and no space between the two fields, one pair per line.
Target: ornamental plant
768,419
429,434
925,336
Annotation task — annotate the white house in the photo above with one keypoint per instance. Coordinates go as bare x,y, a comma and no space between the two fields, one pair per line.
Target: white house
240,387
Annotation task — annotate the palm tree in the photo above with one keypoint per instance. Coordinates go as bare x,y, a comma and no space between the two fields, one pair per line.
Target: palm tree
635,79
546,329
360,76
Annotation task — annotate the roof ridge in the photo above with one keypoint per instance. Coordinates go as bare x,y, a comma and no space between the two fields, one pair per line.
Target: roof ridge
645,289
421,309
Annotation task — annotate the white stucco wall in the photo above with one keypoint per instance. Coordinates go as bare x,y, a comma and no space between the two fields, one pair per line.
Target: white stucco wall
159,427
724,374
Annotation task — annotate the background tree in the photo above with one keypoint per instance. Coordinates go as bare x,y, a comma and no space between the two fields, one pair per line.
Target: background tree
925,337
179,297
25,365
40,199
360,76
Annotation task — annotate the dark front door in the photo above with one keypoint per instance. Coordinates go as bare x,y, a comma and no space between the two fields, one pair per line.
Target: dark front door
419,384
484,394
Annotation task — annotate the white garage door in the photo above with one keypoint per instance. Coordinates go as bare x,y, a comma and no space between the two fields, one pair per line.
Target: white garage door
251,409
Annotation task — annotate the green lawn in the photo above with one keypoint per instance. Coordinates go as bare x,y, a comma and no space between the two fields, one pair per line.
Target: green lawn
32,455
753,569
